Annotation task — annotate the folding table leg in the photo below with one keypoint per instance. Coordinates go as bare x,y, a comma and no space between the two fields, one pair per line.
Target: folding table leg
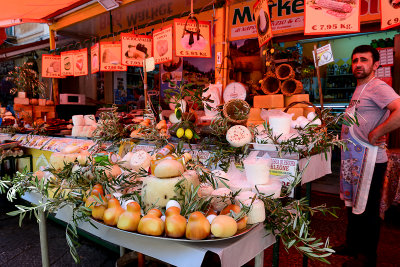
259,259
43,238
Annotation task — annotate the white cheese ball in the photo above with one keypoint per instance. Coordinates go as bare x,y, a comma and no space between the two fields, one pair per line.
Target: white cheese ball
311,115
238,136
211,217
173,203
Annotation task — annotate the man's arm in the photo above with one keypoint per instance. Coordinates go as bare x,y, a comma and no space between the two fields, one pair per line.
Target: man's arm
390,124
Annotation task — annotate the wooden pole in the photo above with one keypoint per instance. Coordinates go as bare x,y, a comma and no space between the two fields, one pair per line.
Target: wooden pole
321,97
55,93
145,83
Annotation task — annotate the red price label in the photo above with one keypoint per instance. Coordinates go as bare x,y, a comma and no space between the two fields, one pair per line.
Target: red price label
326,27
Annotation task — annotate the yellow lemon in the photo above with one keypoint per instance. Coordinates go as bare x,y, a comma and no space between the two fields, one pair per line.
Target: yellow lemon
180,132
188,134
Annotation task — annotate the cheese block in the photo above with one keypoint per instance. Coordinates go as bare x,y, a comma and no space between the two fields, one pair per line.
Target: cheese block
77,130
273,188
268,101
257,211
255,114
254,123
78,120
140,159
296,111
158,191
90,130
297,98
21,101
307,110
90,120
220,198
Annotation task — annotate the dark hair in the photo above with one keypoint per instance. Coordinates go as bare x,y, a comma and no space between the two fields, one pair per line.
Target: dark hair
366,49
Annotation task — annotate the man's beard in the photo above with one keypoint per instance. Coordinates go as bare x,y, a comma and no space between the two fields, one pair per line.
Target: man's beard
362,74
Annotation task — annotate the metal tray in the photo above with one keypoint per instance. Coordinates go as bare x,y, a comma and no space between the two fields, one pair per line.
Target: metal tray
242,232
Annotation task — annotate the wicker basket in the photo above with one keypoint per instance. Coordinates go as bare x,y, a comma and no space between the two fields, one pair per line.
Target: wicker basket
284,72
234,110
271,85
291,87
316,109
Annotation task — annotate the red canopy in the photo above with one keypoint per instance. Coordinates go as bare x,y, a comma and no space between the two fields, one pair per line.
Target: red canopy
15,12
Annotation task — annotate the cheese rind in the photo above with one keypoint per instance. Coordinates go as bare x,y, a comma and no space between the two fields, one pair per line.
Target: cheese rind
297,98
257,211
268,101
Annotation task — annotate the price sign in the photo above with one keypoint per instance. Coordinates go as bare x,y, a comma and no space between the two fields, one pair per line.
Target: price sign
390,14
110,59
331,17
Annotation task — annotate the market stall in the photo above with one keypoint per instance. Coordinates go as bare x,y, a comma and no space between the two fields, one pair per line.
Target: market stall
185,126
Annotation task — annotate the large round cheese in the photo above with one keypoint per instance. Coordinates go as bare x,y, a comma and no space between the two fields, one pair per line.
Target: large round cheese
205,190
243,196
273,188
236,184
257,211
140,159
158,191
127,160
220,198
238,136
168,168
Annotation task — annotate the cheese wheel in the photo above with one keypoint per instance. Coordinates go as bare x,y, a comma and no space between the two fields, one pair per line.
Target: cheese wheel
127,160
220,198
268,101
238,136
168,168
205,190
297,98
78,120
140,159
296,111
243,196
158,191
235,185
90,120
273,188
257,211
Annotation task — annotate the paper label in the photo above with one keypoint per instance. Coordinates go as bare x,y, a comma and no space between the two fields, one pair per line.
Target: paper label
135,48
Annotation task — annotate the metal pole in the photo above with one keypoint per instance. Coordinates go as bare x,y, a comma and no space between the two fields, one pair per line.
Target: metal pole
259,259
121,251
43,238
275,252
145,83
321,97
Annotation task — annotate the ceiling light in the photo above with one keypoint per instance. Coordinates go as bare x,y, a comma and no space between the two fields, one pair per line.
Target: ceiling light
109,4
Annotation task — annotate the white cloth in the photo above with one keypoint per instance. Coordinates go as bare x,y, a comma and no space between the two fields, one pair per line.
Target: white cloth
319,166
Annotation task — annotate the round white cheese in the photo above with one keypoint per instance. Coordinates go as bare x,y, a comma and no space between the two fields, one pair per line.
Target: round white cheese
257,211
273,188
168,168
238,136
140,159
243,196
78,120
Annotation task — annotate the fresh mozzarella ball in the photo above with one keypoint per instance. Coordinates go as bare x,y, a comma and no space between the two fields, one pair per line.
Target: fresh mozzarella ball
173,203
211,217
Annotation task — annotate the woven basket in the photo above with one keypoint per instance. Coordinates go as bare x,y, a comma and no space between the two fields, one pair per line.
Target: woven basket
284,71
316,109
291,87
271,85
233,108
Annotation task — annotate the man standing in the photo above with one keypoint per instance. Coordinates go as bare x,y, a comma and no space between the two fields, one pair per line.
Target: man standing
377,109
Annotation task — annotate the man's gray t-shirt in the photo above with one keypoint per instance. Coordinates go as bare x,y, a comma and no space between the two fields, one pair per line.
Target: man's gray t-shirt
372,110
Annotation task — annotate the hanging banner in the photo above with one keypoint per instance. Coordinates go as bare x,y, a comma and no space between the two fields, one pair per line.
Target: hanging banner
67,63
111,57
331,17
51,66
94,57
135,48
162,45
194,41
81,62
390,14
263,22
